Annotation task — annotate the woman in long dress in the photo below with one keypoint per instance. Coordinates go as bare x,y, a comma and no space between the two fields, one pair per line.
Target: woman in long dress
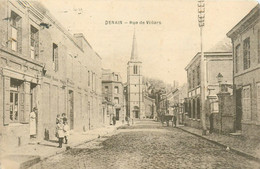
33,122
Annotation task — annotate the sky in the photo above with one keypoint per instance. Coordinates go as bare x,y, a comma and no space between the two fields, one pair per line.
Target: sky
165,47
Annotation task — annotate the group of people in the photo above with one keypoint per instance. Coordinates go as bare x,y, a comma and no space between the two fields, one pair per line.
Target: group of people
62,129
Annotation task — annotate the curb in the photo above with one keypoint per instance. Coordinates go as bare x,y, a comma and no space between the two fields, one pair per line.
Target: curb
74,146
36,161
238,152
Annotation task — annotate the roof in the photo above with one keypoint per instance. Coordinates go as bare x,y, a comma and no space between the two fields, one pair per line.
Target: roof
243,23
224,45
134,54
222,48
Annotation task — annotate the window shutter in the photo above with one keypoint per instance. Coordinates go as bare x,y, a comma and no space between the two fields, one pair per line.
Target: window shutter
24,102
19,38
36,49
21,103
6,100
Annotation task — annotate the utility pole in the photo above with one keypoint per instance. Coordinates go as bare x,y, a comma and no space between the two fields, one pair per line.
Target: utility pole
201,20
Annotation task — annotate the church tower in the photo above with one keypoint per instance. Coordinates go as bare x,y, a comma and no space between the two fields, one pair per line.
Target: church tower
135,84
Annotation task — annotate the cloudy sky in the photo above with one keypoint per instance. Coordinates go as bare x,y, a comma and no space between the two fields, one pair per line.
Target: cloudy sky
165,48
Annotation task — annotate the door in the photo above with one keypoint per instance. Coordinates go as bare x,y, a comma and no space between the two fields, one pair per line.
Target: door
238,109
136,114
117,114
71,109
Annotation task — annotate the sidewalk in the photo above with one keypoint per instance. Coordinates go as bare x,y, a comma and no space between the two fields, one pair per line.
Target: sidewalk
249,148
28,155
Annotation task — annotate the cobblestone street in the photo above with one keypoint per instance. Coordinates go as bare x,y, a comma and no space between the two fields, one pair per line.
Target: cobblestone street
148,145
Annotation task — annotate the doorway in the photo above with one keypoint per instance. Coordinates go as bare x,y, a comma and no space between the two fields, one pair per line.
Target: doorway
71,109
117,114
238,109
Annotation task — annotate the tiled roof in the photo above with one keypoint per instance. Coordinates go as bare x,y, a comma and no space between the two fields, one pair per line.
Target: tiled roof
222,46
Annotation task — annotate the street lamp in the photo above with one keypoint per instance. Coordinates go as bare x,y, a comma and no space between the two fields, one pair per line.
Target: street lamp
201,21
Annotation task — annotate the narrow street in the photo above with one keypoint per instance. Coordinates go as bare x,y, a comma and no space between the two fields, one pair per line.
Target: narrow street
148,145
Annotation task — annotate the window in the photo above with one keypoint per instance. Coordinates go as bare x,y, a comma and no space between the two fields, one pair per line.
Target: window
246,48
258,101
198,75
246,103
116,77
14,100
34,42
189,78
106,89
116,89
135,69
214,107
193,78
237,55
92,81
88,78
55,57
116,100
16,32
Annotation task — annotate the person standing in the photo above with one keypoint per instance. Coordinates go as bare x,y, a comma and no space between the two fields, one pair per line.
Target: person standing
211,120
58,119
66,129
114,120
60,132
175,120
64,117
33,122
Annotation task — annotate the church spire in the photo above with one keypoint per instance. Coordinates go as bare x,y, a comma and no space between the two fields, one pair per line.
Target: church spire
134,55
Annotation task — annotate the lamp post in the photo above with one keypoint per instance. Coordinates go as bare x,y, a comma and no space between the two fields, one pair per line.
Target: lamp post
220,79
201,19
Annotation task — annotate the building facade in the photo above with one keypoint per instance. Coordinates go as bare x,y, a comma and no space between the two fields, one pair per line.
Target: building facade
44,66
149,108
246,55
113,93
135,85
218,57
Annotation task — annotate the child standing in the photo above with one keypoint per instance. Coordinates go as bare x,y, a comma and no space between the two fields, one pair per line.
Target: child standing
66,129
58,118
60,131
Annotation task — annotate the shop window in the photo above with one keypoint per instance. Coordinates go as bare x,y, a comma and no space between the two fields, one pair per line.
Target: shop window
14,100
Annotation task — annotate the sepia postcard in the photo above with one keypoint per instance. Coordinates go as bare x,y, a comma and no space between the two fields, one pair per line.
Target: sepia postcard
129,84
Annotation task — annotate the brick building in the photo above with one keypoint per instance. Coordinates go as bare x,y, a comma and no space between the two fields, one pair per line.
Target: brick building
218,60
44,66
246,48
113,94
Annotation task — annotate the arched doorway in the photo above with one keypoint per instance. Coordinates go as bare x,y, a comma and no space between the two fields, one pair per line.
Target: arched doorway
136,111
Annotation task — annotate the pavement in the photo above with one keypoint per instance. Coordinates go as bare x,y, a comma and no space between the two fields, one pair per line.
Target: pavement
28,155
247,147
149,145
